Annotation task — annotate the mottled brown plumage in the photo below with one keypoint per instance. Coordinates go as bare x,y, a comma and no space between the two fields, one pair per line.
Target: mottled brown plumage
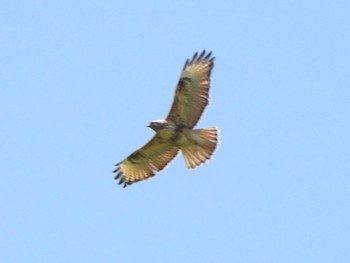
192,92
176,131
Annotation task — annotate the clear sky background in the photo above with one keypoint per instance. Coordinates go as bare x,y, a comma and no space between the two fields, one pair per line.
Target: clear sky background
79,81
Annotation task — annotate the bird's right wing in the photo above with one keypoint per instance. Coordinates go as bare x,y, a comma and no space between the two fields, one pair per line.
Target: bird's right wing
144,162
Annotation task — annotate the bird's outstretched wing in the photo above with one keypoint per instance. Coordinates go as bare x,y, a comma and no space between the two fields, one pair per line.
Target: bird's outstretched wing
144,162
192,91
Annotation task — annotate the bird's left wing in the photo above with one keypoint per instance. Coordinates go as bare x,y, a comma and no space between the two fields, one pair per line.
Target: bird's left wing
192,91
144,162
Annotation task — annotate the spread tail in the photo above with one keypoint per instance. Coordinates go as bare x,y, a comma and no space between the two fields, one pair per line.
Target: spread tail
200,146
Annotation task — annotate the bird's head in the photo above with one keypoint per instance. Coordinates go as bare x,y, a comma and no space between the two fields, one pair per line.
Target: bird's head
157,125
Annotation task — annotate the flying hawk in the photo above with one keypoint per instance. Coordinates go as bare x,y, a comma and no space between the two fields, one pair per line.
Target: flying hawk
176,131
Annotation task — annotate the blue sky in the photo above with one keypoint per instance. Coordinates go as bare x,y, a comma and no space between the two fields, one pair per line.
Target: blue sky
79,80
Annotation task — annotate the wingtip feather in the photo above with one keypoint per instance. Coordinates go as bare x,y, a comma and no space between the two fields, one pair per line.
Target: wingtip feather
194,57
202,56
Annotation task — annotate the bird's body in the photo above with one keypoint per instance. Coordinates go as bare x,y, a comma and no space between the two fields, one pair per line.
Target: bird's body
176,135
176,131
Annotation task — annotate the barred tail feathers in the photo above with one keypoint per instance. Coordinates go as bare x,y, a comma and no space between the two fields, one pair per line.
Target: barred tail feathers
201,144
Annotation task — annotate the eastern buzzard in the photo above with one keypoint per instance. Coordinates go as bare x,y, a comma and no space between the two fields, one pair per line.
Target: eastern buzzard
176,131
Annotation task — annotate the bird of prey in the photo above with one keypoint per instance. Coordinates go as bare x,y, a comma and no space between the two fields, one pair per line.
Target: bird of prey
176,131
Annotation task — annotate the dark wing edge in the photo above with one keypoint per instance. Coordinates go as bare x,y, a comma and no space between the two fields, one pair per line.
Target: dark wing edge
198,66
196,58
144,162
